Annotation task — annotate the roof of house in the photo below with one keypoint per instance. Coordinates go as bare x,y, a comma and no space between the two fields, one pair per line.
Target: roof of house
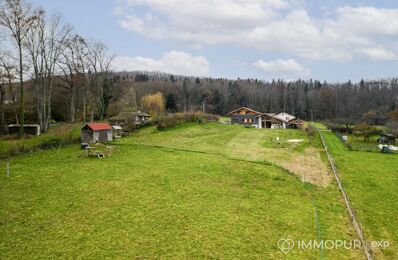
127,115
296,121
99,126
117,127
254,111
25,125
388,135
285,117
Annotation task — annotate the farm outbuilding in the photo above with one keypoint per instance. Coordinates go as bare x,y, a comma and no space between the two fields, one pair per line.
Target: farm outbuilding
96,133
117,131
386,139
32,129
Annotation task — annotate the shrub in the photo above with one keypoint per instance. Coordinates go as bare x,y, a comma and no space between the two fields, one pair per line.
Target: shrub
311,130
366,131
51,143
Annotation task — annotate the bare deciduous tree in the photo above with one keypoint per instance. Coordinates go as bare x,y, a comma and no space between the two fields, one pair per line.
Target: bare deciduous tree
100,64
45,43
18,16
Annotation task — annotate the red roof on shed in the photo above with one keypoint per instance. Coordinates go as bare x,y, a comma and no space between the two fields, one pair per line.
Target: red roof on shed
99,126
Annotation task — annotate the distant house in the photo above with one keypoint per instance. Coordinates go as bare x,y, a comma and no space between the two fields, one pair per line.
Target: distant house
130,120
244,116
32,129
249,116
96,133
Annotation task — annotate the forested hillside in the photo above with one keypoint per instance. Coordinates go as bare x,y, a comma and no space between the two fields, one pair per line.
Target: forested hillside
305,99
49,73
323,100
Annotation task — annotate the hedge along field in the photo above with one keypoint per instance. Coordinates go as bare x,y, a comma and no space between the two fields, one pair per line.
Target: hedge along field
371,182
147,201
57,136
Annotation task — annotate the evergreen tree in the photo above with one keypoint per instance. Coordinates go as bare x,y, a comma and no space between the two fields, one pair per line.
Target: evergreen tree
171,103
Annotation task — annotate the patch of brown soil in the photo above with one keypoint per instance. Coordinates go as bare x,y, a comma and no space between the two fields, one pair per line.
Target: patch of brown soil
310,167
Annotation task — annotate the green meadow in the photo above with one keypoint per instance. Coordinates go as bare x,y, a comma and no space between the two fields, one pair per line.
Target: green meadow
194,191
371,181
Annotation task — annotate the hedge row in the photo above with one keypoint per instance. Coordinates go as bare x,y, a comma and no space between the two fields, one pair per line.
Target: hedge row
54,138
172,120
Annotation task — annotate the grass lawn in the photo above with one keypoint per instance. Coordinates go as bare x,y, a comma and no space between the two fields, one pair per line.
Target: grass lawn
371,181
187,192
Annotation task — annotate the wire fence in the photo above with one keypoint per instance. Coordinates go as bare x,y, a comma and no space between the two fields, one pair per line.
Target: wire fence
350,209
357,146
343,139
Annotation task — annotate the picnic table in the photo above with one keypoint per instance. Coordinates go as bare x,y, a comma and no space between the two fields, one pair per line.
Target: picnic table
93,152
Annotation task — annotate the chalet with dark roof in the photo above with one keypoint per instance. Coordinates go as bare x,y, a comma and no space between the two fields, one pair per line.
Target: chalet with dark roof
130,120
248,116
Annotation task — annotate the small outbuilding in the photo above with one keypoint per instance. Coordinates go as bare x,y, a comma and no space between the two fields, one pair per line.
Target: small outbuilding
28,129
96,133
117,131
386,139
296,124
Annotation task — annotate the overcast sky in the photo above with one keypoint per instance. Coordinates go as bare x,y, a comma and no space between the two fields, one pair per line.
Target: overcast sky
265,39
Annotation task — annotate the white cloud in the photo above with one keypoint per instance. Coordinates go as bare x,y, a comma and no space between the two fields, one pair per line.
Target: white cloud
283,68
270,25
173,62
377,54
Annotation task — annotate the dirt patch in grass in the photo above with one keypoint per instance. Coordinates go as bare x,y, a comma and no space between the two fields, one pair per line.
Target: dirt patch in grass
310,167
305,163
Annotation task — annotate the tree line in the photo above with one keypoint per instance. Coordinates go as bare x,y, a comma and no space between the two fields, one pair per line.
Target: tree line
49,73
38,50
370,101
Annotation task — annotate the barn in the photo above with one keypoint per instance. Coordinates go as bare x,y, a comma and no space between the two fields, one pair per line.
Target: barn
96,133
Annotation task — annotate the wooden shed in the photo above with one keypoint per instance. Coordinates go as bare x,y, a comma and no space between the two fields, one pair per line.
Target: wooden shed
32,129
96,133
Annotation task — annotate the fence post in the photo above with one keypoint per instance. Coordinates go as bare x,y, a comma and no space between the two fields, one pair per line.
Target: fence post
8,168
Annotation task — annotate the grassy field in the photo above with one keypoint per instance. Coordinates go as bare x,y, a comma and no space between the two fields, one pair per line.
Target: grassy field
208,191
371,181
303,159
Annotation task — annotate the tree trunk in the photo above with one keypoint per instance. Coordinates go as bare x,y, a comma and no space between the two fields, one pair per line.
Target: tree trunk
72,104
2,123
37,88
84,107
22,94
49,96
